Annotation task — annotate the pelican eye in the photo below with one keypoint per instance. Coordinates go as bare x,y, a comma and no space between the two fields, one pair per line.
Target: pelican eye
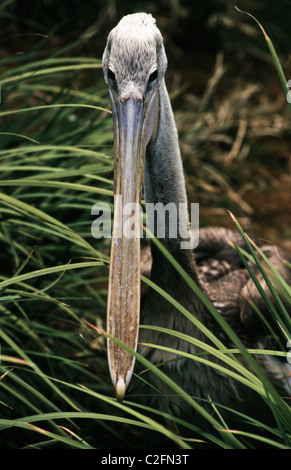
153,76
111,75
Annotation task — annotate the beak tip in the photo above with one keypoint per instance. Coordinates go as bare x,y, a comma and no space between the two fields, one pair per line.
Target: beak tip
120,388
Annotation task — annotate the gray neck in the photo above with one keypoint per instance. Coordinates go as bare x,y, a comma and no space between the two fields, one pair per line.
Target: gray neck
164,179
164,183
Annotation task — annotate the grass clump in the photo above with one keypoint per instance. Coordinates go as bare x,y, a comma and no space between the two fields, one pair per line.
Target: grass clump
54,167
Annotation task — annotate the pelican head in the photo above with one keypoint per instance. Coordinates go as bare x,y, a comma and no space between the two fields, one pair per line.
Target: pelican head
134,60
134,64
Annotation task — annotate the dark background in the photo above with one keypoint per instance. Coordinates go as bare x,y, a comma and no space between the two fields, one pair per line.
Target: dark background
246,113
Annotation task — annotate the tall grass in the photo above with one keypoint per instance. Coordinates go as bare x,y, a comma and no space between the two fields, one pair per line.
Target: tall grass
55,164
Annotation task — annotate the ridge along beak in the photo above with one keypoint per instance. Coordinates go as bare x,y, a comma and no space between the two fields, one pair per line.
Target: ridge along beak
134,121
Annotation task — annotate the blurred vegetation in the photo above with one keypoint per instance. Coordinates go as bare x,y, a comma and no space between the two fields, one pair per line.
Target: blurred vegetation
234,128
232,117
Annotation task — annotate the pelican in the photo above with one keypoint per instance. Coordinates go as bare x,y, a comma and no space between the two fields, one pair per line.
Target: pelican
147,155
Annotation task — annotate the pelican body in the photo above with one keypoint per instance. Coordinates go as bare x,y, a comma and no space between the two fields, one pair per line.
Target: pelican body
147,154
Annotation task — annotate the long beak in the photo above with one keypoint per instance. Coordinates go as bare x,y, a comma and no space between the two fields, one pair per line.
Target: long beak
123,307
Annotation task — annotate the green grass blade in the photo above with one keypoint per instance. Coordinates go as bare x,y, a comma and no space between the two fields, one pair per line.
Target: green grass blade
273,54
